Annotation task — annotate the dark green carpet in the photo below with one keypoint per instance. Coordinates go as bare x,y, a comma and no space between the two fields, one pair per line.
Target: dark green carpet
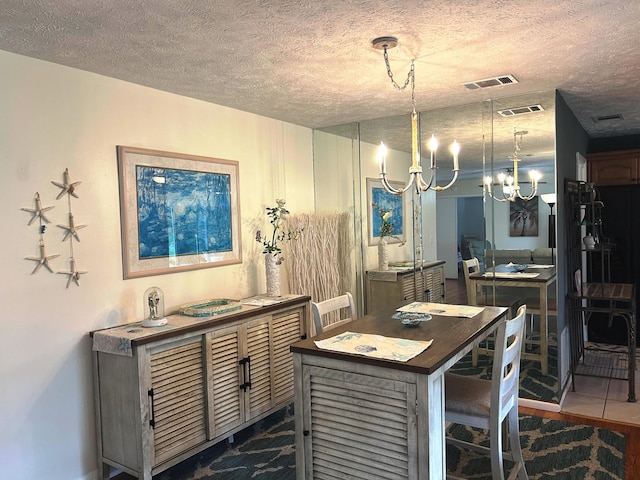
552,450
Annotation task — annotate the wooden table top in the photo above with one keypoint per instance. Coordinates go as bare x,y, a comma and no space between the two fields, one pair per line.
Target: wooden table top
544,275
450,335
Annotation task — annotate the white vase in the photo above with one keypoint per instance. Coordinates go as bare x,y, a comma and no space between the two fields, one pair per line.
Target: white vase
383,255
589,242
273,275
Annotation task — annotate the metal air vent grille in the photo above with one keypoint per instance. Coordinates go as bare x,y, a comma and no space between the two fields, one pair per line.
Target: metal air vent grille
491,82
509,112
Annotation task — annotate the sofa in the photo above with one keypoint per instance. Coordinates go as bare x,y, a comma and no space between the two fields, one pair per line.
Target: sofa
539,256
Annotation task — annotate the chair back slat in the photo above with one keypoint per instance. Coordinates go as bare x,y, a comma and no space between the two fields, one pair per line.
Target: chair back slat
333,312
506,364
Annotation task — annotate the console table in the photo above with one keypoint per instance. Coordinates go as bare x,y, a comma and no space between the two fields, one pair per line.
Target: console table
385,288
165,393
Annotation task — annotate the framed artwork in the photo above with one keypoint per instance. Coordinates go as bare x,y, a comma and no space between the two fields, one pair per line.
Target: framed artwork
380,201
177,212
523,218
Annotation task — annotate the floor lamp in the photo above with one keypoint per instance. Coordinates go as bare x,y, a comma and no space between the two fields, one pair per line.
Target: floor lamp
550,199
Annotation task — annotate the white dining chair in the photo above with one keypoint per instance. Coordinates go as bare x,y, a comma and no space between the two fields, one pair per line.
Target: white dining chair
487,403
333,312
483,299
511,302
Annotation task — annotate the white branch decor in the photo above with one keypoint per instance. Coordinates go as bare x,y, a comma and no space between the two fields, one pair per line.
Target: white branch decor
321,260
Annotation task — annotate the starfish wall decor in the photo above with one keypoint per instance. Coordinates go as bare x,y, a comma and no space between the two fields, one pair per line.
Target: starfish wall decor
71,230
38,212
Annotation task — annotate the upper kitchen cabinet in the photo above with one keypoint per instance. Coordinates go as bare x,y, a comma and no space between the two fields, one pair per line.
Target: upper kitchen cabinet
614,168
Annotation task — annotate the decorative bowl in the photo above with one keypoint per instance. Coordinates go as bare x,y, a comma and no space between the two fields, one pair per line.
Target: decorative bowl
411,322
520,267
412,319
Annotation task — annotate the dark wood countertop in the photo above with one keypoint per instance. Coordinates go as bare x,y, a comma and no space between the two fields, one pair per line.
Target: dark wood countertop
449,334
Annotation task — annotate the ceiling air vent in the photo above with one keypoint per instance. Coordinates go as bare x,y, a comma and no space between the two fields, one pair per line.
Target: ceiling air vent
605,118
491,82
510,112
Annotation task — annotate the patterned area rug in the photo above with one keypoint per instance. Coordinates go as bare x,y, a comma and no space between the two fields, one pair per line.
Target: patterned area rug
551,448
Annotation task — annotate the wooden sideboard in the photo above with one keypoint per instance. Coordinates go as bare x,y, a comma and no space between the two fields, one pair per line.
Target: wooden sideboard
385,288
163,394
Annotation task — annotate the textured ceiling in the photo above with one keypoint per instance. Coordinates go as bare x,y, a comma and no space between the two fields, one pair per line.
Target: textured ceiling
311,63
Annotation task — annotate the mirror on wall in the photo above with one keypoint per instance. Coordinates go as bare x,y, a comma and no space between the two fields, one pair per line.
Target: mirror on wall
345,156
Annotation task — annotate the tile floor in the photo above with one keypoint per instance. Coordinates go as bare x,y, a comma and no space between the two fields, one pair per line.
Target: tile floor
604,397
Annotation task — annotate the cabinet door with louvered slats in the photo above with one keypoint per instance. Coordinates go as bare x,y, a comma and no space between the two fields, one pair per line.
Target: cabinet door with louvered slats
409,288
287,329
358,426
259,396
226,409
177,397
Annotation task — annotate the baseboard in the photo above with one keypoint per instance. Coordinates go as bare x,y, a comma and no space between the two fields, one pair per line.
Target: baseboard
539,404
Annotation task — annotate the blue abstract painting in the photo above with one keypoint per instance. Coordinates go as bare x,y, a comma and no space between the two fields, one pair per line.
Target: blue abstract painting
387,202
182,212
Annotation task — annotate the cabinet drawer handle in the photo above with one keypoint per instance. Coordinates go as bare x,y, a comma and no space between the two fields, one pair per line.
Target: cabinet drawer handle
248,382
152,421
246,377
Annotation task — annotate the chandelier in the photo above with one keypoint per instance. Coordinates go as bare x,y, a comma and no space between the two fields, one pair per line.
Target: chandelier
415,170
509,181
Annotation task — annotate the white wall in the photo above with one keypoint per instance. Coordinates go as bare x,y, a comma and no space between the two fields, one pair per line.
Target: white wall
54,118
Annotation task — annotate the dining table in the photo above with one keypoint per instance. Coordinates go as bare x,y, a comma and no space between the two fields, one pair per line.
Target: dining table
537,277
369,395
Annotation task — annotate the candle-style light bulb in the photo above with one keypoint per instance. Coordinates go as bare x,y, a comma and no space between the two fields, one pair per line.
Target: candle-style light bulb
382,157
433,146
535,176
455,150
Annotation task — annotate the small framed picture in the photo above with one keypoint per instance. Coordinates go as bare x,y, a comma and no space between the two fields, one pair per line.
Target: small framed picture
523,218
381,202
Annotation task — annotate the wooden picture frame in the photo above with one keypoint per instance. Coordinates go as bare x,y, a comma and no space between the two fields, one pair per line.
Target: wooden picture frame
523,218
178,212
378,196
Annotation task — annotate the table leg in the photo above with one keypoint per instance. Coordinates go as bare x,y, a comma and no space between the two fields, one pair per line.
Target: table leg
544,334
431,427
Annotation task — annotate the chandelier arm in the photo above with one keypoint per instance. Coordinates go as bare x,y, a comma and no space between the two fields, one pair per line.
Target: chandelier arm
453,180
534,191
424,186
497,199
395,191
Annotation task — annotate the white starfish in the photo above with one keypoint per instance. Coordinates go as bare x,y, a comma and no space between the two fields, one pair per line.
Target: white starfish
43,259
73,273
66,186
38,211
71,228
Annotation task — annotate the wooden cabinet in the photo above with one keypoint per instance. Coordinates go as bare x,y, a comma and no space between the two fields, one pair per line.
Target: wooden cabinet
177,391
614,168
385,288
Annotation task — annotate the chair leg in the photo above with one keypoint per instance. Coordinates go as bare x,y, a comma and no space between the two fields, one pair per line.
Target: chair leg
516,450
497,464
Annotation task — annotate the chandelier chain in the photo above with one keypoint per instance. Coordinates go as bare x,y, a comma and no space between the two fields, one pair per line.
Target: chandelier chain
410,78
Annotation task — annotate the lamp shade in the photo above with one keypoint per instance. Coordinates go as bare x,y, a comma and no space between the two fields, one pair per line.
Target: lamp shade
549,198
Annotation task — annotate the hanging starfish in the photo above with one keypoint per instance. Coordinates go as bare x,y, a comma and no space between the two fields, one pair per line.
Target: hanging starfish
73,273
43,259
38,211
66,186
71,228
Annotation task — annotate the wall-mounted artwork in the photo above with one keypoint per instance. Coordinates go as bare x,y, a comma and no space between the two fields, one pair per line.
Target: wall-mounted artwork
523,218
380,201
178,212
